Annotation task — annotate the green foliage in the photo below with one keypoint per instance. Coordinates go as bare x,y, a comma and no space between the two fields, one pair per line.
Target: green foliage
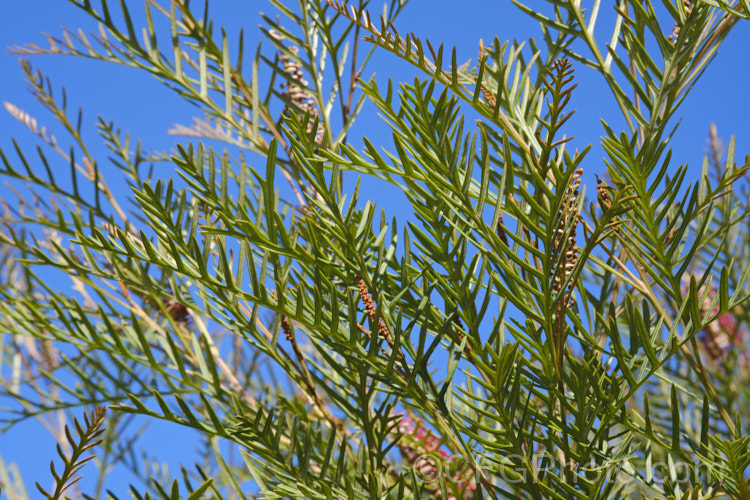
87,439
513,338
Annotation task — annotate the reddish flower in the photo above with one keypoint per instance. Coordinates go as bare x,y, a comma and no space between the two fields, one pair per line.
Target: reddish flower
722,334
422,449
177,311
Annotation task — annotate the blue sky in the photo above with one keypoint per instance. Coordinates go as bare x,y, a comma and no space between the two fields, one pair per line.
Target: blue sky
138,103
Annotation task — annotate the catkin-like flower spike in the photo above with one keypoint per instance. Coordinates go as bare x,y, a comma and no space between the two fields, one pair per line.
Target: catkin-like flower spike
603,195
295,89
488,96
567,223
457,321
604,199
287,329
383,331
364,294
285,326
676,29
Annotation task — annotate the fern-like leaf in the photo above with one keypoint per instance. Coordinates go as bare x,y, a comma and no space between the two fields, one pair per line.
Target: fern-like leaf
87,439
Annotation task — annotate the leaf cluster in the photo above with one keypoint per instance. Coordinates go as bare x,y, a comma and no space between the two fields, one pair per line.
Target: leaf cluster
503,336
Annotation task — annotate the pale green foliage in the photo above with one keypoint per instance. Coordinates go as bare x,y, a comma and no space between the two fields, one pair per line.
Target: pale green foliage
87,439
514,340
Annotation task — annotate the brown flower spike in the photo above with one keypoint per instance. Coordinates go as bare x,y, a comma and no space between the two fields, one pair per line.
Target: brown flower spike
601,190
568,220
676,30
297,92
364,294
